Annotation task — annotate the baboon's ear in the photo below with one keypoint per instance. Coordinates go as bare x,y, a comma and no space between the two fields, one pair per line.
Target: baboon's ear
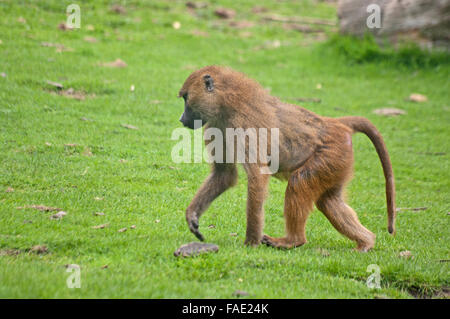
209,82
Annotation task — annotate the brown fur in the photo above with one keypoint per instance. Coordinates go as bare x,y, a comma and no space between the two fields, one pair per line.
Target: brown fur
316,157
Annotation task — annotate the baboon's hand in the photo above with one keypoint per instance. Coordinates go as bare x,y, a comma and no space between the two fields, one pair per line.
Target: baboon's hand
193,226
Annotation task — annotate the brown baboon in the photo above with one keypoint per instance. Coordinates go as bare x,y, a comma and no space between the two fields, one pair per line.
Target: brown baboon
315,156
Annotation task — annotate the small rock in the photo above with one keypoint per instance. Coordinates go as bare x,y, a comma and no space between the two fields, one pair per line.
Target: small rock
389,112
62,26
104,266
58,215
100,226
130,127
157,221
418,98
3,75
9,190
99,214
233,234
133,226
122,230
195,248
39,249
212,226
225,13
118,63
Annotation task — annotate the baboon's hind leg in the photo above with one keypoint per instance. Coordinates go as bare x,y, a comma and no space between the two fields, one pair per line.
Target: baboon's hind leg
345,220
298,204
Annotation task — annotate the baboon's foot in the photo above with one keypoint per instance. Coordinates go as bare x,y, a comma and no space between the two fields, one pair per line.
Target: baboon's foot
364,247
252,242
282,242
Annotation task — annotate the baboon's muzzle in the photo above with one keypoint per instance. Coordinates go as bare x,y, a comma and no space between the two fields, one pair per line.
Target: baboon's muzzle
189,117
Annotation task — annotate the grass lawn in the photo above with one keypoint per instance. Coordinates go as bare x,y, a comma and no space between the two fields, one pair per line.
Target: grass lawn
75,154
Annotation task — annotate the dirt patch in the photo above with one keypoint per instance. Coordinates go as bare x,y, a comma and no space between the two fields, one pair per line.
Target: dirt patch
72,94
9,252
117,63
40,207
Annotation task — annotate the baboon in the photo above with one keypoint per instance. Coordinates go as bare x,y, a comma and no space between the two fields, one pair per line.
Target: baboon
315,157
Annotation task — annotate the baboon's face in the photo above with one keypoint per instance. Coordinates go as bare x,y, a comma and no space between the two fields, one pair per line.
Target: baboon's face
189,116
199,100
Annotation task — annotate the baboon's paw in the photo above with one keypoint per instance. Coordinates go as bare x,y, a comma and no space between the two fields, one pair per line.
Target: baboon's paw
283,242
363,248
193,227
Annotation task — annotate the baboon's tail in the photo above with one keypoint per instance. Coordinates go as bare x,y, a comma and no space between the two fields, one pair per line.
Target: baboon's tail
363,125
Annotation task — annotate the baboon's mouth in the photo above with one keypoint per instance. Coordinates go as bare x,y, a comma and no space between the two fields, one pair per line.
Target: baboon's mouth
193,124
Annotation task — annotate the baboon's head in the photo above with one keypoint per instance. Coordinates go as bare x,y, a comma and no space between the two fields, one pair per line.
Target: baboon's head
201,96
213,93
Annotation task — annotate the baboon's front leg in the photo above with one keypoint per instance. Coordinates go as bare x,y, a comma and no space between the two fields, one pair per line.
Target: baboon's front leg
222,177
257,190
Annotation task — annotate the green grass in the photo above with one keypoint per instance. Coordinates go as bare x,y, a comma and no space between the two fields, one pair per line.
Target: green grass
148,186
